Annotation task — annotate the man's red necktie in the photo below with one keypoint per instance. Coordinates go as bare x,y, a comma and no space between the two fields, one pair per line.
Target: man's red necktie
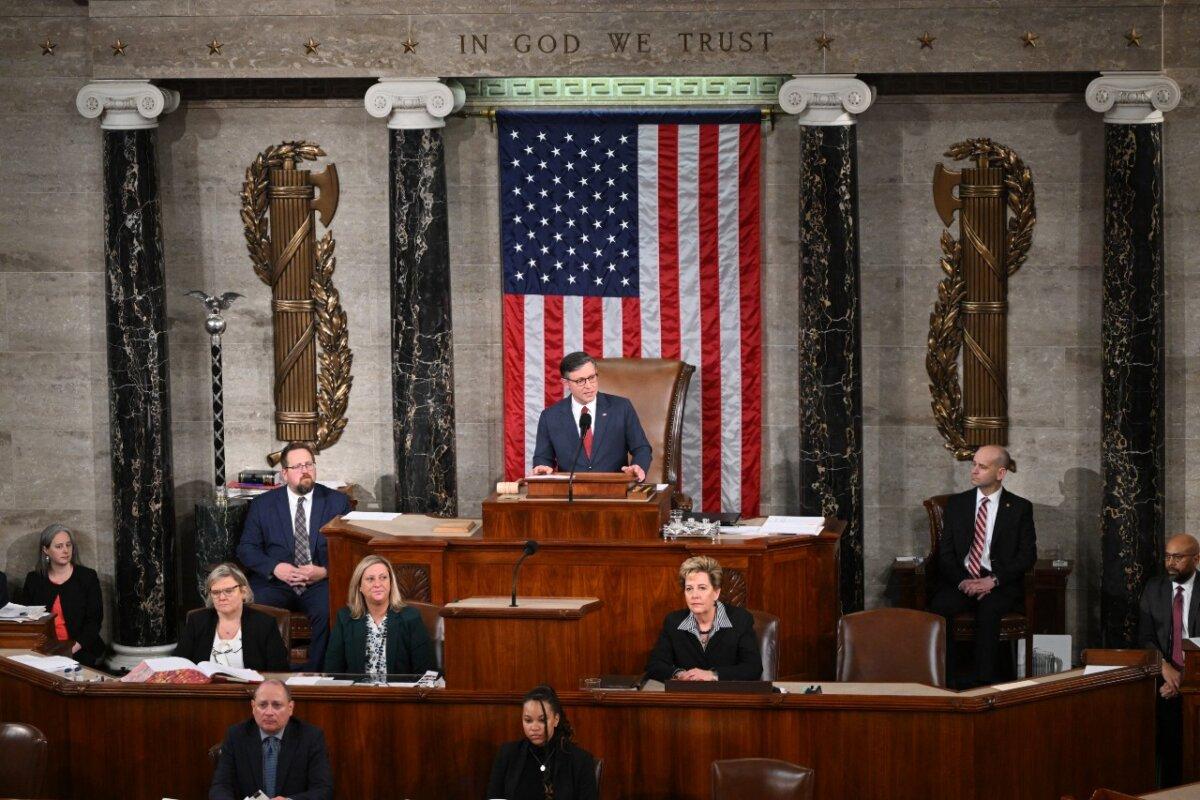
587,437
1177,633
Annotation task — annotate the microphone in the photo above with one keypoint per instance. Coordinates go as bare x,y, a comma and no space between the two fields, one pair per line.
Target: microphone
531,547
585,425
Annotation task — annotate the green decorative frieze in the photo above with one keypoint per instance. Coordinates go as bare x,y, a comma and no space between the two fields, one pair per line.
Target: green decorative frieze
739,90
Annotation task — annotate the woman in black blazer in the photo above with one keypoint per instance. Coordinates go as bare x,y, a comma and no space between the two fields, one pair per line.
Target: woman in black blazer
707,641
229,632
546,763
375,633
71,591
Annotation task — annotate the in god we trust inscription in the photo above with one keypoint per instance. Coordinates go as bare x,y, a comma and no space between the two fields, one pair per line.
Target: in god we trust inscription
568,42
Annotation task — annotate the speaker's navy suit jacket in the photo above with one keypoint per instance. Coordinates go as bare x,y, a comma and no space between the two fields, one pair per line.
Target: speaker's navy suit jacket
268,538
616,435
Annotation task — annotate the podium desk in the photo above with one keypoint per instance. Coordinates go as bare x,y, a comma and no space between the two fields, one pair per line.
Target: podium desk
27,635
638,517
1063,735
793,577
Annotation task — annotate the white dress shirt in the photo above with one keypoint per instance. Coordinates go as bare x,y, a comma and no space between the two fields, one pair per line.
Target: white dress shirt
227,652
1187,585
577,409
985,559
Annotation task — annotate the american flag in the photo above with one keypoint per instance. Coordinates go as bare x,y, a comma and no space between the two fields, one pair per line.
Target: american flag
637,234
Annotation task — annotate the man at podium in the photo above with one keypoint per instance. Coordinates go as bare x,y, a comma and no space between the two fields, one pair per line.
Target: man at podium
603,429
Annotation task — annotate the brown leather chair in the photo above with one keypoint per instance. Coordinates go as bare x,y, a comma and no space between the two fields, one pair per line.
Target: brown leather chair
657,387
892,645
766,629
282,617
23,763
431,615
761,779
1014,626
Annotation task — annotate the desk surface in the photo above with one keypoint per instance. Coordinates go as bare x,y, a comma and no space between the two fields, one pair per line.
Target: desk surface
875,741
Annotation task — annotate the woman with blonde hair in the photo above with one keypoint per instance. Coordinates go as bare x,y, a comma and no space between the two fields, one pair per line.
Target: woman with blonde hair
375,633
228,631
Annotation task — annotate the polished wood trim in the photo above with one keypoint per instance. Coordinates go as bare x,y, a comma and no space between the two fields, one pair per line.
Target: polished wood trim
27,635
522,612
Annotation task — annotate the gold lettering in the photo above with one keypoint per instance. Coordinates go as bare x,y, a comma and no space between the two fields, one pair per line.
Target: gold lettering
521,43
478,44
706,43
643,42
686,39
766,39
618,41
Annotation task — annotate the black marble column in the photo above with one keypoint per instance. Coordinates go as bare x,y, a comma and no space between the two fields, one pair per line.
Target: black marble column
422,352
831,459
1133,403
138,392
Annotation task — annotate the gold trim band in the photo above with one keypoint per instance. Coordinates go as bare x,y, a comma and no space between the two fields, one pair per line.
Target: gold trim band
295,306
984,306
986,423
291,192
972,190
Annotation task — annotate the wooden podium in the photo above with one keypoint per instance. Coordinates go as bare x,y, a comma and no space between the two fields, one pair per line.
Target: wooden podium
27,634
491,646
607,506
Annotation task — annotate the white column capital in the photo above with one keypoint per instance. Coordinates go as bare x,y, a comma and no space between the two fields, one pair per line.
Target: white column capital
414,103
126,105
1132,98
825,99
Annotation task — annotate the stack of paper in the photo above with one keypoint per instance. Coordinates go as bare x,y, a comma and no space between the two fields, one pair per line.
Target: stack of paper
47,663
793,526
22,613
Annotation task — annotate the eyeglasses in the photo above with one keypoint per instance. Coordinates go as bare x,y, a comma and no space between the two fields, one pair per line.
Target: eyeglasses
1178,556
223,592
583,381
307,465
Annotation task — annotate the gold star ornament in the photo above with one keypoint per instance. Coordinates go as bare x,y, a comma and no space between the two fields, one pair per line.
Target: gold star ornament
1134,38
1030,39
214,47
118,47
926,41
409,45
311,46
48,47
823,41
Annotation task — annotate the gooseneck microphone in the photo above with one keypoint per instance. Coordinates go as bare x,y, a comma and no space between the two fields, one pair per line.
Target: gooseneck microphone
531,547
585,425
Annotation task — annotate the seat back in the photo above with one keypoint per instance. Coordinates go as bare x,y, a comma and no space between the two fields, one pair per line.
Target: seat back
431,615
599,772
760,778
657,387
766,630
23,763
892,645
282,617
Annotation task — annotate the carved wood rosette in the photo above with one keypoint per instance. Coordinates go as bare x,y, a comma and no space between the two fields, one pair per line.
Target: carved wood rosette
279,202
996,215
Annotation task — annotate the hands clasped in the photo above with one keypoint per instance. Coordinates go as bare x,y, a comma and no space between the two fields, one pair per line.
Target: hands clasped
978,587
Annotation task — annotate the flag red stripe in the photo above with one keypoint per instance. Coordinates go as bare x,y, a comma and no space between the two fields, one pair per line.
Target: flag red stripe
749,254
631,327
514,386
553,324
593,325
668,238
710,319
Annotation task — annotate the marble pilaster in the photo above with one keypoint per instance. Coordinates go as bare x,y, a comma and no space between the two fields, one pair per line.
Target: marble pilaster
138,389
1133,344
830,339
422,335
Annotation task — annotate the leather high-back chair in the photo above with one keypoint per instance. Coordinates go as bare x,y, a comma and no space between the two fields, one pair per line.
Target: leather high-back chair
892,645
282,617
1014,626
599,772
762,779
657,387
431,615
766,629
23,760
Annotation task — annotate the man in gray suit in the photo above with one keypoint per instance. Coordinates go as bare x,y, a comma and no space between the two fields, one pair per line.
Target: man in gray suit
1169,613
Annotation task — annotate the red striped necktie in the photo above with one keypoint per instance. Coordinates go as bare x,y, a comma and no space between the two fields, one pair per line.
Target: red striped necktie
980,538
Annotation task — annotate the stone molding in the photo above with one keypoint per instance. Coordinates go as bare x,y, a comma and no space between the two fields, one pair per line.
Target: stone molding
414,103
656,90
126,105
1132,98
825,99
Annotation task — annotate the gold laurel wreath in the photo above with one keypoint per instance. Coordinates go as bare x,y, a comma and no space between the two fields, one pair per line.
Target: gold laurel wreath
334,379
945,323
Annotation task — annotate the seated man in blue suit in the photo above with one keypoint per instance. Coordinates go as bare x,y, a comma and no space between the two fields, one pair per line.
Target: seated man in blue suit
283,549
615,441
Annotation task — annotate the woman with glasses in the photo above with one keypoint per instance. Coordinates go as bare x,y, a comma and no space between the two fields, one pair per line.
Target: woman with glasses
228,631
70,591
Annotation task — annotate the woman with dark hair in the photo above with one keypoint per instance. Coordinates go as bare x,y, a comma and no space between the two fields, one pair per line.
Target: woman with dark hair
71,591
546,764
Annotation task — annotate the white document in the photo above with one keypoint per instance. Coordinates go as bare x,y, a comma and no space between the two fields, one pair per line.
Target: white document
47,663
1096,669
23,613
796,526
1004,687
662,487
370,516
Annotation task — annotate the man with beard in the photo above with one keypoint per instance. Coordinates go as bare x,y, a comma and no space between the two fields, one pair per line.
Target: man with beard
1169,613
283,549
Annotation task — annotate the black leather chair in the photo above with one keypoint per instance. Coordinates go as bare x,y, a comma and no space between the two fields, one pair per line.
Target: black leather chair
432,617
23,750
892,645
766,629
760,779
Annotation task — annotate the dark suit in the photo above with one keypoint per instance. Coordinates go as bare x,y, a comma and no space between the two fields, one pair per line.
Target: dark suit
301,773
1155,633
269,539
3,590
262,646
1013,552
732,652
574,773
82,608
408,648
616,436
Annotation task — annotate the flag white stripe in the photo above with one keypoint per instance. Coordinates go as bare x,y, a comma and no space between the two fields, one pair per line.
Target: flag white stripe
648,240
614,335
729,272
535,381
689,303
572,324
